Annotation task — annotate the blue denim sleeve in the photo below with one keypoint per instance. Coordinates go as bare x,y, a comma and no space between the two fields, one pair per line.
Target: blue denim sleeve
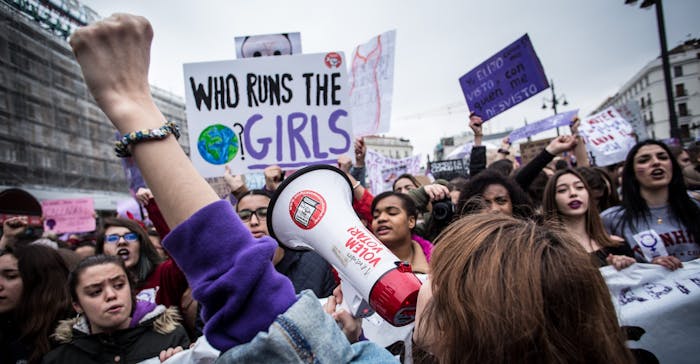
305,334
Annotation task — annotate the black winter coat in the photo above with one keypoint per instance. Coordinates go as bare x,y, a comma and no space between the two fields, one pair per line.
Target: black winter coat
133,345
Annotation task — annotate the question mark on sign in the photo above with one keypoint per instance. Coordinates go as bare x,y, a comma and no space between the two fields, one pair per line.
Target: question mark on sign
240,138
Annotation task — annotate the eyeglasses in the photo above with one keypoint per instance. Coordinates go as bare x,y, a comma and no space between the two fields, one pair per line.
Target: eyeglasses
128,237
260,213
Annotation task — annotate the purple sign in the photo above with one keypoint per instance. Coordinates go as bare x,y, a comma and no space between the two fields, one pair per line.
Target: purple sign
551,122
508,78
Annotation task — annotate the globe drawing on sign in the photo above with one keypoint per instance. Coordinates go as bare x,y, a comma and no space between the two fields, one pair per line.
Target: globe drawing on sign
217,144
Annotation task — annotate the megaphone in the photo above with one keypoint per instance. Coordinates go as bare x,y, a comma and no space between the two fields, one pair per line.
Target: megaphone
312,209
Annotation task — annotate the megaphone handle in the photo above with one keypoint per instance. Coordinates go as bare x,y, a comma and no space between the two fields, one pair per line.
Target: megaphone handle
353,302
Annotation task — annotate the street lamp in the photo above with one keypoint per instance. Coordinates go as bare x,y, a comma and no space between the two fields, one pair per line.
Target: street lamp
554,101
672,120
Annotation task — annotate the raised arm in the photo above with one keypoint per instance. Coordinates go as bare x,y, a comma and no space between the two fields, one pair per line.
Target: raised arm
114,55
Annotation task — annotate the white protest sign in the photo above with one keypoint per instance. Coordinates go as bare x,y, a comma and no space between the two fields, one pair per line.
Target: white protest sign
382,171
633,114
371,84
608,137
659,309
291,111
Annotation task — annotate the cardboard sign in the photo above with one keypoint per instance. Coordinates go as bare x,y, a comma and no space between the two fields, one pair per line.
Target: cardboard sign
508,78
449,169
69,215
658,309
561,119
371,84
608,137
291,111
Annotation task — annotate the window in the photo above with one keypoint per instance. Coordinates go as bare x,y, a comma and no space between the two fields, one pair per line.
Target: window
683,109
642,101
677,71
680,90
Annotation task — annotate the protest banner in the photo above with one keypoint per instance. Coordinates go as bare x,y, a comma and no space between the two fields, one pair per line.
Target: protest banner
69,215
608,137
633,114
371,84
382,171
290,111
264,45
658,309
508,78
449,169
537,127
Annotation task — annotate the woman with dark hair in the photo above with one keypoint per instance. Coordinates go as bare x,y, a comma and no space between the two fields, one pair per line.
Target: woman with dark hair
657,218
568,202
112,325
493,276
602,188
404,183
394,216
157,280
32,301
491,191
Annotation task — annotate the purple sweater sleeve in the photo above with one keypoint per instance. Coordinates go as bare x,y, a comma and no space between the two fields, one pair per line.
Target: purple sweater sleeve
231,275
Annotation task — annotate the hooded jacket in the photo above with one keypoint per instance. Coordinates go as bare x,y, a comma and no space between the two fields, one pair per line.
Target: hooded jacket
155,329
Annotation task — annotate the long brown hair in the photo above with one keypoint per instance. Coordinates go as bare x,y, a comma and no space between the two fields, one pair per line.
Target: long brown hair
594,224
507,290
45,299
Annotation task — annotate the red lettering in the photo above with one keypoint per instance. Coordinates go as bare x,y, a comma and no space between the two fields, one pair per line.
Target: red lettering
666,237
351,243
680,237
375,261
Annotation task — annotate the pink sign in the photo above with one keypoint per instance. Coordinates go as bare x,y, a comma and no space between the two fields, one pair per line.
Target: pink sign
69,216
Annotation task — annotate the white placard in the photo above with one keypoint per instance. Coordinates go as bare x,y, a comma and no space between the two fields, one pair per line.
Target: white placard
290,111
608,137
371,84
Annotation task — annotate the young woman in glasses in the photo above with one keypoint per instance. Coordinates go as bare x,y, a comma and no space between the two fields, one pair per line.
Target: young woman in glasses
157,280
306,269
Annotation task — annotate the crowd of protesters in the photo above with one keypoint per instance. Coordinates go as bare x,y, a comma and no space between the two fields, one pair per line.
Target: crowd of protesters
509,255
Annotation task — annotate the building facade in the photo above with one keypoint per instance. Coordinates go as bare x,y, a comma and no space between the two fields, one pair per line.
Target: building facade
390,147
54,140
647,89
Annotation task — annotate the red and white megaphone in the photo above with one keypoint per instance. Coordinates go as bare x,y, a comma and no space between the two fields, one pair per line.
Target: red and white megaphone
312,209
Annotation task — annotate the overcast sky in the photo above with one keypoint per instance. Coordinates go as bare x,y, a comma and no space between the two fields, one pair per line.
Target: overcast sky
589,48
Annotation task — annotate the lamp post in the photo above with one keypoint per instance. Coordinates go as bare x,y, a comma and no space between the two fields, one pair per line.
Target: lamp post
554,101
666,65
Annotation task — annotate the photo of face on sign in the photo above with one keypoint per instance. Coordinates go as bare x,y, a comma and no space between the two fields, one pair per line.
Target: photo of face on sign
268,45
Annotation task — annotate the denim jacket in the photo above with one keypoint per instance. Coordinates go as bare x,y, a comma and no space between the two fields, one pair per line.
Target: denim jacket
305,334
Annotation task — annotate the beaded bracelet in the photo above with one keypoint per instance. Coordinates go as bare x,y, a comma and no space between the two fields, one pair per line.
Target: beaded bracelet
121,147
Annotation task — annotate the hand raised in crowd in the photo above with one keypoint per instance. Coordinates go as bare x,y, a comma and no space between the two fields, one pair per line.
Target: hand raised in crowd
505,143
344,163
436,191
668,261
273,177
12,228
143,195
234,182
575,124
561,144
351,326
117,76
360,152
620,262
475,123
